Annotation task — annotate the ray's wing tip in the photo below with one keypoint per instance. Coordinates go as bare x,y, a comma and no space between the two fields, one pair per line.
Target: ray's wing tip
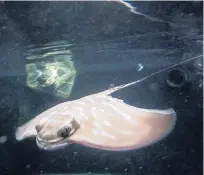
19,134
173,121
171,111
168,111
173,115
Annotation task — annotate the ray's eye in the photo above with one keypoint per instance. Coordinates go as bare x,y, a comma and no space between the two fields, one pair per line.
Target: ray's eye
38,128
64,132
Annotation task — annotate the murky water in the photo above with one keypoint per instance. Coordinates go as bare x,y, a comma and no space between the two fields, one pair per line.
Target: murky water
48,65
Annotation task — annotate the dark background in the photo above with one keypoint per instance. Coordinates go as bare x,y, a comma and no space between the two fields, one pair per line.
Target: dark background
87,23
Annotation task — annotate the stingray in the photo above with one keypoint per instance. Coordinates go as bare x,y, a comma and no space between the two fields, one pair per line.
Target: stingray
100,121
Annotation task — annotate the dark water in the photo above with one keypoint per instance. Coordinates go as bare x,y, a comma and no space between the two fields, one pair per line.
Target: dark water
110,46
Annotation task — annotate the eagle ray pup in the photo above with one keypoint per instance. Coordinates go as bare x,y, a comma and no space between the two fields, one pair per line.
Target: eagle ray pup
99,121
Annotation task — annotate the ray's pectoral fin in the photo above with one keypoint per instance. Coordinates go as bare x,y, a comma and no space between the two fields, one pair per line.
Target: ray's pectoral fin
30,128
147,126
24,132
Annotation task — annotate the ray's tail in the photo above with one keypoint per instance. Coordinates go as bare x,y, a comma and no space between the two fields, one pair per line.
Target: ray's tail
111,90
